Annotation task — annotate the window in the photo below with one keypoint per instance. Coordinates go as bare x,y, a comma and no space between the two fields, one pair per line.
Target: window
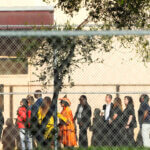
10,66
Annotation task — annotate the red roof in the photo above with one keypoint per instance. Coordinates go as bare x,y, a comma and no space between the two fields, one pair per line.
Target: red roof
15,16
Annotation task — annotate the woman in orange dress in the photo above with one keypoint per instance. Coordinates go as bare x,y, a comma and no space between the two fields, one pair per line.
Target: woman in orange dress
67,130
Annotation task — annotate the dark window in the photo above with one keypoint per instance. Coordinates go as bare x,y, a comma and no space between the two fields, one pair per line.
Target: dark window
11,66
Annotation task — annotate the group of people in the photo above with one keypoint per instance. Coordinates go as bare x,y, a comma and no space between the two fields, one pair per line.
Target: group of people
36,123
112,126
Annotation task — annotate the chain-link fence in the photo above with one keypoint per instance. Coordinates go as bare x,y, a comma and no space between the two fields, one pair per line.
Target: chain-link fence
100,105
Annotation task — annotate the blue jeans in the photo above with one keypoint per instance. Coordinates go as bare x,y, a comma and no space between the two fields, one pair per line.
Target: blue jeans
25,140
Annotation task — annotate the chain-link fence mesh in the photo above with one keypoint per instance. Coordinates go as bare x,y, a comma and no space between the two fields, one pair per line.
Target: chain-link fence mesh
99,104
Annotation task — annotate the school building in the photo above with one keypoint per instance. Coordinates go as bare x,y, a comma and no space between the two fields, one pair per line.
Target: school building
117,73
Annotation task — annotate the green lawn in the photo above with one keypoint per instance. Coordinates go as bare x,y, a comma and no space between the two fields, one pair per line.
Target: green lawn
113,148
104,148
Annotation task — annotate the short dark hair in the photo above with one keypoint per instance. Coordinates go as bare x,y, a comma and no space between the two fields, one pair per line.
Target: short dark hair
9,122
109,95
144,97
38,93
97,111
83,96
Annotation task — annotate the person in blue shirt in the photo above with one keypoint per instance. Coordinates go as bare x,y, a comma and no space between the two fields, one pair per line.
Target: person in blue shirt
38,103
34,111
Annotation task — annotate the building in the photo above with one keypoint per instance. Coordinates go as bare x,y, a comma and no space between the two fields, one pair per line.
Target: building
132,76
18,18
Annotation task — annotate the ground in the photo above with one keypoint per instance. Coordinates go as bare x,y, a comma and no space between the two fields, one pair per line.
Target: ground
114,148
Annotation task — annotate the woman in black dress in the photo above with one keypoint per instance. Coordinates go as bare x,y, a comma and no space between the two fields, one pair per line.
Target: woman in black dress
129,122
115,122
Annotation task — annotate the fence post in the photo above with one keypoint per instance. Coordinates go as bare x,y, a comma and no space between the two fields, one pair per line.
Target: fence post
117,90
1,97
55,113
11,102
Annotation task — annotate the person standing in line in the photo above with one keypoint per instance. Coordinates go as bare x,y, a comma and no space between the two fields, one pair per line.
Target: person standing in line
47,140
1,122
142,108
30,101
115,121
144,117
34,110
47,137
38,103
25,139
67,129
83,116
96,128
107,108
129,122
17,129
9,135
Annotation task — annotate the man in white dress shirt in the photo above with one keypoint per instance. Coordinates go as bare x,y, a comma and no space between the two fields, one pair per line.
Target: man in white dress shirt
107,108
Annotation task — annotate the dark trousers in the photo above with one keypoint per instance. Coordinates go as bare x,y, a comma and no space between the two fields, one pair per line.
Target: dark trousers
107,134
129,137
139,140
83,140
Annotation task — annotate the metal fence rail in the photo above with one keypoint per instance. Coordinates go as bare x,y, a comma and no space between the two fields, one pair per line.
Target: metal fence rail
74,33
97,114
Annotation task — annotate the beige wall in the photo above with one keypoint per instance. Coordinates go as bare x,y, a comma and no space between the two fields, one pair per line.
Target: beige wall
112,71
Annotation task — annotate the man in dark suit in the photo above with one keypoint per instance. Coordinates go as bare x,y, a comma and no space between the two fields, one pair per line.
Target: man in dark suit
83,116
107,108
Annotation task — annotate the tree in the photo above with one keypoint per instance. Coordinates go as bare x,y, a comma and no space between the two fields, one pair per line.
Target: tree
111,14
119,14
59,56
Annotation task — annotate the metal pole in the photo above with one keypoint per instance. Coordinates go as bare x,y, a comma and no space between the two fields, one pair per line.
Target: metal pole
11,102
117,90
55,112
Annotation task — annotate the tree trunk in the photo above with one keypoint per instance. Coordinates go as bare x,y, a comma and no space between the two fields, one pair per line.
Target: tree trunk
57,88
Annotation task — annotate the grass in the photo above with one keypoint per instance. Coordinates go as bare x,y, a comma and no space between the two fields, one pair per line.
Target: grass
112,148
103,148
